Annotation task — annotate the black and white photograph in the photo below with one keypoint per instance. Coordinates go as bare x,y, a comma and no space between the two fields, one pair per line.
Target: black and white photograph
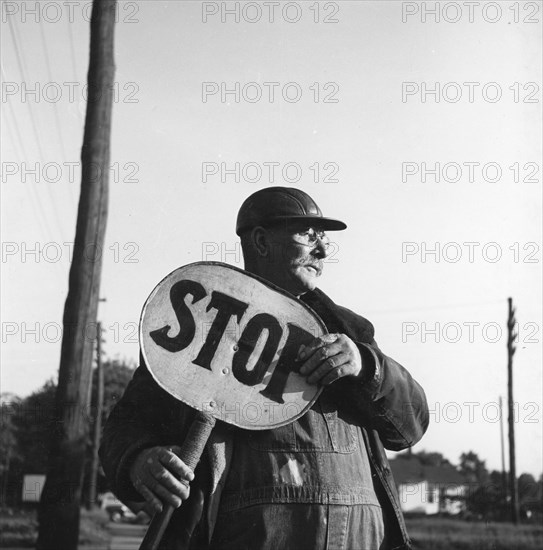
271,275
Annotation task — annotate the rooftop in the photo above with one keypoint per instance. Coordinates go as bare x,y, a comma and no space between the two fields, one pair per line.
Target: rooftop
409,469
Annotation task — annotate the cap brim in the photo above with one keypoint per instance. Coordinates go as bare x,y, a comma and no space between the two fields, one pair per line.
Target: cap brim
327,224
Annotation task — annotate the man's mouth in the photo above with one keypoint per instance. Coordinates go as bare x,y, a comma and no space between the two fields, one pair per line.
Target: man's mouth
315,268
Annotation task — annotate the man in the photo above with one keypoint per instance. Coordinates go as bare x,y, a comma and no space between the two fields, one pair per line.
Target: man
321,482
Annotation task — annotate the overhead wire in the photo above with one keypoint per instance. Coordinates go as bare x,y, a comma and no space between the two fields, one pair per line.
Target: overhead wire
18,146
55,107
433,308
15,37
20,62
40,217
72,50
50,77
73,60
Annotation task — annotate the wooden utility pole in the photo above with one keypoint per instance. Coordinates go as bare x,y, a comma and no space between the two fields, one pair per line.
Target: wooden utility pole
511,408
91,496
59,510
502,442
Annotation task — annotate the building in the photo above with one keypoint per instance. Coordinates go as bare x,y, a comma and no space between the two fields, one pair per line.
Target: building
425,489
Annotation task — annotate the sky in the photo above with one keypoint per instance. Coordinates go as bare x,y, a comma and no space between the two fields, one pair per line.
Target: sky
423,135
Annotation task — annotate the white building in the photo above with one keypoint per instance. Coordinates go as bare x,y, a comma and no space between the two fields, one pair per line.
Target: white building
428,489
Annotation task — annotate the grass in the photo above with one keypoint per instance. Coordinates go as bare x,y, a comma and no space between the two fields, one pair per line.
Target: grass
452,534
19,528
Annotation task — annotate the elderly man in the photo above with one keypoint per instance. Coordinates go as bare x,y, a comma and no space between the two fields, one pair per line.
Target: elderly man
321,482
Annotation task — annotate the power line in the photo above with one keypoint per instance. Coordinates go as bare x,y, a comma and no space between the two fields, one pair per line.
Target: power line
432,308
50,76
72,50
36,205
55,108
15,37
74,64
20,62
19,141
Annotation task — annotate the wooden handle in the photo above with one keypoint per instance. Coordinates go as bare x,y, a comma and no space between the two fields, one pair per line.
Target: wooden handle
190,454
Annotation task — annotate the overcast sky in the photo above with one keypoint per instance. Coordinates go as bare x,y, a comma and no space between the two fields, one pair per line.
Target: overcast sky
357,103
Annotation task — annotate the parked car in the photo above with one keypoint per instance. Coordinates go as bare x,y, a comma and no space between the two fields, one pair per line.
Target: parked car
116,510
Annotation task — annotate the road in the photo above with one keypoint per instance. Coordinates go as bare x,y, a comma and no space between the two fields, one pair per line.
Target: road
124,536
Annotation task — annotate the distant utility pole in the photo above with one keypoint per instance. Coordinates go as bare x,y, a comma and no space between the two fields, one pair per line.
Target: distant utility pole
502,441
511,408
91,496
59,510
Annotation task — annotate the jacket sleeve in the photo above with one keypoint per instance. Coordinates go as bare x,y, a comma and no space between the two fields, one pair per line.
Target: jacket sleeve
386,399
145,416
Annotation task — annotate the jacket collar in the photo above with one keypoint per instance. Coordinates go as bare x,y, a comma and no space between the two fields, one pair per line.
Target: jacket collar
338,318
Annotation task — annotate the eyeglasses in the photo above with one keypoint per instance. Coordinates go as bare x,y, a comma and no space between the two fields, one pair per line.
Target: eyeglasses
311,237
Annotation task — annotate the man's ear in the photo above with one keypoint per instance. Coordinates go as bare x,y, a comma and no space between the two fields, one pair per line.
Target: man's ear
260,240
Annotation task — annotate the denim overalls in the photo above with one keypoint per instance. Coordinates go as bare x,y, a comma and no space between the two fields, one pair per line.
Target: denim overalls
305,485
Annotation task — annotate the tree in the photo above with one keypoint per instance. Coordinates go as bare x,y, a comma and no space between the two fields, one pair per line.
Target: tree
27,427
9,448
34,420
432,459
527,486
530,495
473,468
25,435
483,497
117,375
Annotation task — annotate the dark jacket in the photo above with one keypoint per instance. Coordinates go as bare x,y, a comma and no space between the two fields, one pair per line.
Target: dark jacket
389,404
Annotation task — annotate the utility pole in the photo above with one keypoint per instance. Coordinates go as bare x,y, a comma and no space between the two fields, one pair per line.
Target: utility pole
511,408
59,510
502,441
91,496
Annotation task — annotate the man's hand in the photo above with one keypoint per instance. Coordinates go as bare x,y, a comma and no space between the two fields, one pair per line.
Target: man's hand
161,477
328,358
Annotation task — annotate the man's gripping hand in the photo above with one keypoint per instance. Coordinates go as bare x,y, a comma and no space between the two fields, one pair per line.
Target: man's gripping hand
328,358
161,477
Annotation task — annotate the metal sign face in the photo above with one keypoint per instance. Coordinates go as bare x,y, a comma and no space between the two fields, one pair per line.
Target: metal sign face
224,342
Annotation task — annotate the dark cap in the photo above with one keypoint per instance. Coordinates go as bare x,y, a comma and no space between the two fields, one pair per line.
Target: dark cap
276,204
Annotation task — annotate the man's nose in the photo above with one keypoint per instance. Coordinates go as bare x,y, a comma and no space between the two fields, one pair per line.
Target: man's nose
321,249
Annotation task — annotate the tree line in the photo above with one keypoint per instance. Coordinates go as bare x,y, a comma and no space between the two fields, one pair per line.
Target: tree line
27,425
488,494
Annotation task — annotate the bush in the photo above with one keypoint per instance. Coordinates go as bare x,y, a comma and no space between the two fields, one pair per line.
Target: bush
19,527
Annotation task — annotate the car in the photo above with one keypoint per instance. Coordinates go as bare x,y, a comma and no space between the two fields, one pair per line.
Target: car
116,510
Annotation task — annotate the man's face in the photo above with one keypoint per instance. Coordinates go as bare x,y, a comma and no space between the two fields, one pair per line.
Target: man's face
296,258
